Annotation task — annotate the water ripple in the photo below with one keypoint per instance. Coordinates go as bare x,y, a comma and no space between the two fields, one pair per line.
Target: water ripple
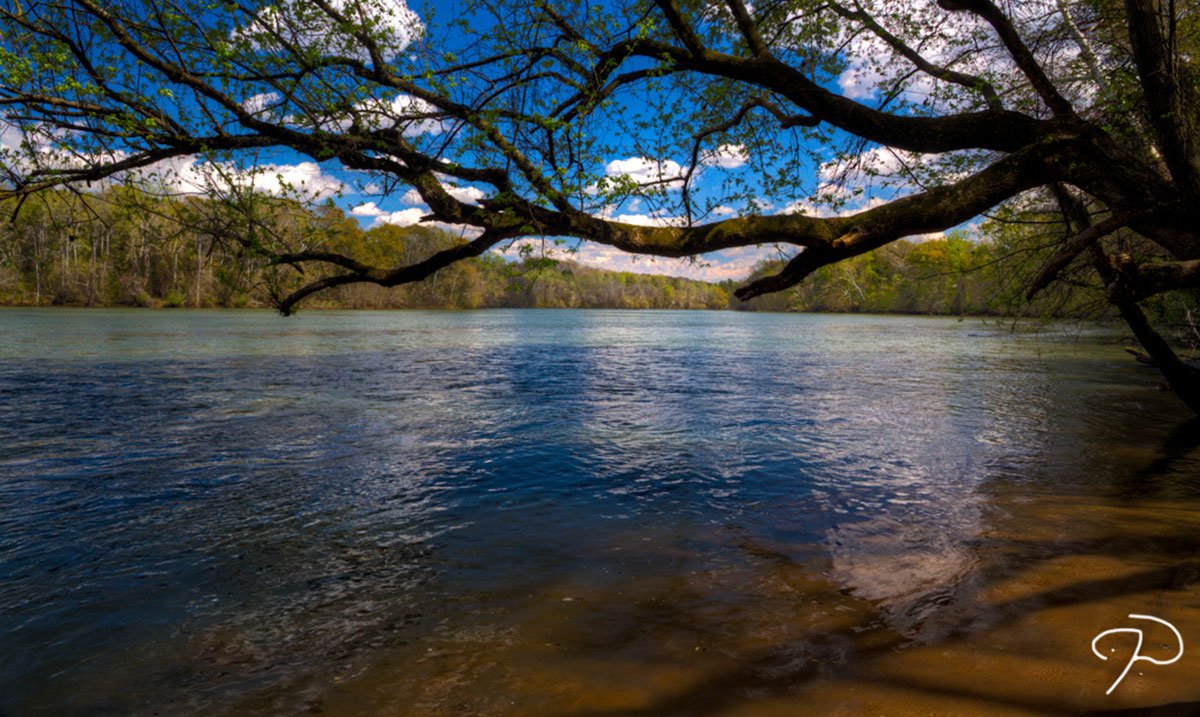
202,506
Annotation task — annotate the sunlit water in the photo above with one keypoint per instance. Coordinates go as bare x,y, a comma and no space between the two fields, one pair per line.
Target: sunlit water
585,512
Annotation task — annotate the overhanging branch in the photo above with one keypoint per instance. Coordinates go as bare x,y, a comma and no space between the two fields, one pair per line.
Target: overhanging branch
933,210
1071,249
1150,279
363,274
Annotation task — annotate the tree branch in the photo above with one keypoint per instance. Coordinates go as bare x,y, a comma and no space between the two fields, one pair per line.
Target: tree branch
1146,280
933,210
1070,249
1001,130
1116,276
685,33
1168,97
785,122
971,82
393,277
1017,49
748,28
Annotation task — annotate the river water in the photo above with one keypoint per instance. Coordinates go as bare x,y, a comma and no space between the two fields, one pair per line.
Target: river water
587,513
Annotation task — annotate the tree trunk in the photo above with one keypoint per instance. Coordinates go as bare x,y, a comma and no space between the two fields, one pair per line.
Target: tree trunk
1183,379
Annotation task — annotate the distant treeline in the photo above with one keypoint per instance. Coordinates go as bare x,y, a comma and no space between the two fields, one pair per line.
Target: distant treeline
954,275
121,248
125,249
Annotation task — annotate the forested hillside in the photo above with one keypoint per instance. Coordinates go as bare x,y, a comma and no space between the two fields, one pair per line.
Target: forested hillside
117,248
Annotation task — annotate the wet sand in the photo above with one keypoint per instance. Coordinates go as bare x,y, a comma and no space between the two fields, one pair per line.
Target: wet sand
1001,626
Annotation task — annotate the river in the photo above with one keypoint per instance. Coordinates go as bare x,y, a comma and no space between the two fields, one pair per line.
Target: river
588,513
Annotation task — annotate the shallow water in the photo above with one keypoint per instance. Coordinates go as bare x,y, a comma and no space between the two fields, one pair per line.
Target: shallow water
585,512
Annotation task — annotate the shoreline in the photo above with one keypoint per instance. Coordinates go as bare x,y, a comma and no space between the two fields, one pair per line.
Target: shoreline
134,307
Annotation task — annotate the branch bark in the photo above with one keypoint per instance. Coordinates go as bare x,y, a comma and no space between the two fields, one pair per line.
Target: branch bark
1170,101
1146,280
1001,130
1183,379
365,274
1017,49
971,82
1071,249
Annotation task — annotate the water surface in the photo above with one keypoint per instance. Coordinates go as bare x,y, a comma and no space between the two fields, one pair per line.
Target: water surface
584,512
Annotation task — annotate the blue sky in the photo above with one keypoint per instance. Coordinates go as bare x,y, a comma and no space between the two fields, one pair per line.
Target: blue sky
364,198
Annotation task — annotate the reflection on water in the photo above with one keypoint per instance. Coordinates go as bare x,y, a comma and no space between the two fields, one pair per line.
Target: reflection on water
565,512
909,570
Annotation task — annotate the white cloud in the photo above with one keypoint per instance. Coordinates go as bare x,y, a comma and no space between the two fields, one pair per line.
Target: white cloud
187,175
369,209
734,263
403,218
14,158
305,178
645,171
412,216
470,195
463,230
11,136
27,146
392,25
879,161
718,266
638,218
961,41
806,208
404,111
648,220
177,175
823,211
859,83
871,203
726,156
180,175
258,104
